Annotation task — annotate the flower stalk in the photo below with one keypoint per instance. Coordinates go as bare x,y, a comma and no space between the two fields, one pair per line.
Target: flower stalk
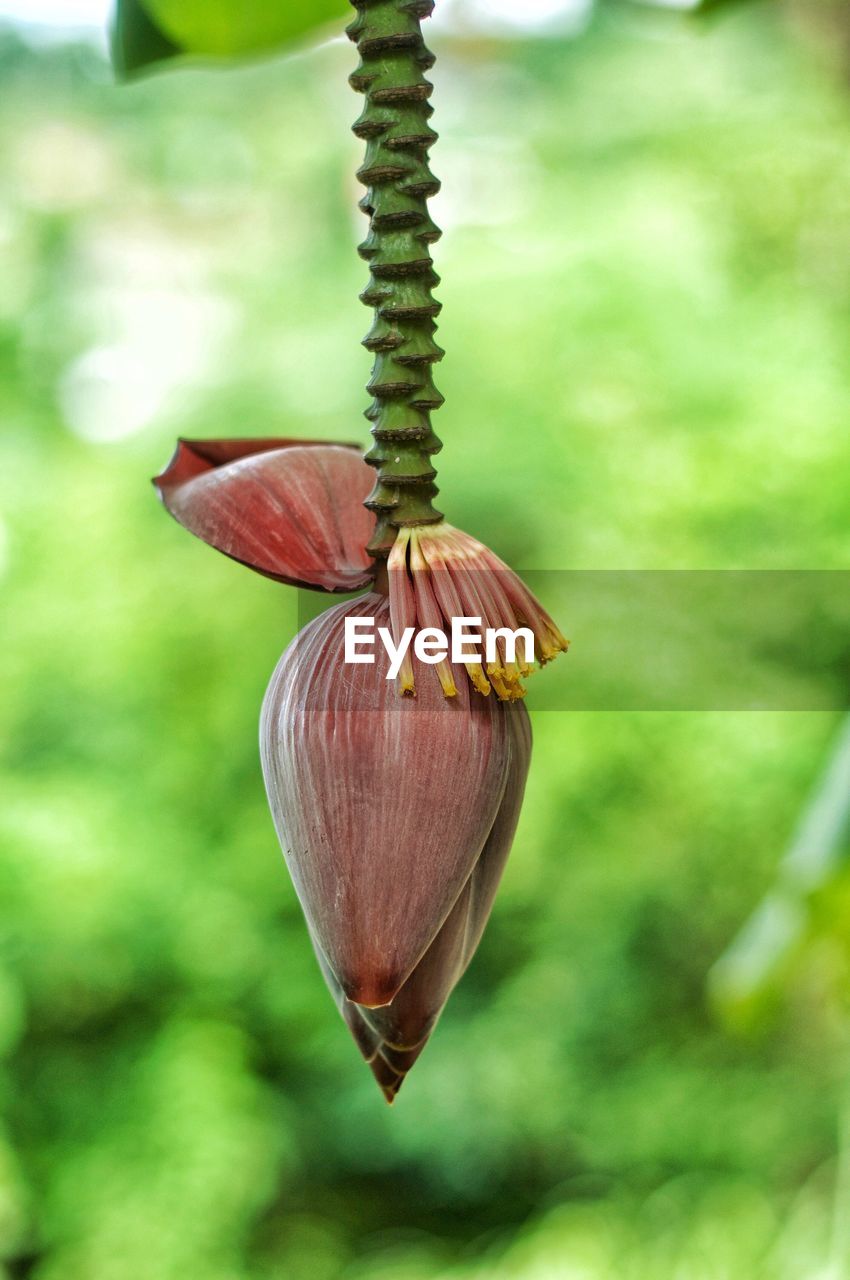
394,125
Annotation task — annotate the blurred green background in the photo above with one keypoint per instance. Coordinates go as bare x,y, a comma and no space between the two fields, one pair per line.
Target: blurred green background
646,278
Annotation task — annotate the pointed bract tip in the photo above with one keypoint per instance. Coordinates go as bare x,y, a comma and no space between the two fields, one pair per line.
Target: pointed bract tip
373,992
388,1080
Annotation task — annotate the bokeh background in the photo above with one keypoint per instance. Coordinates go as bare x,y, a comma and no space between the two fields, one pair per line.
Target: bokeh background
646,279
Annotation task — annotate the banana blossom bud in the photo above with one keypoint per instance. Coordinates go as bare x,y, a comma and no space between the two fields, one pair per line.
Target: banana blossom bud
395,815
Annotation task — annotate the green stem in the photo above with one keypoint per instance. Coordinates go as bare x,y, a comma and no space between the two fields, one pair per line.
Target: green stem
394,124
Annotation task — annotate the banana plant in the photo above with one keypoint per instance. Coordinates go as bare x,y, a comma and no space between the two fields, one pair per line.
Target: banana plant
396,785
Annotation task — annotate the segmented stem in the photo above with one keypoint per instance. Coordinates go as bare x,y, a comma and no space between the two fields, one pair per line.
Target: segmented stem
394,125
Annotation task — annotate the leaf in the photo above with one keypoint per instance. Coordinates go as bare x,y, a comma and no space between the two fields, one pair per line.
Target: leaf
695,8
146,32
757,961
222,28
136,42
712,6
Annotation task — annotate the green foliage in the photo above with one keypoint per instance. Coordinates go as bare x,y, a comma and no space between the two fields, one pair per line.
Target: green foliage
147,31
646,308
806,905
711,6
222,28
136,41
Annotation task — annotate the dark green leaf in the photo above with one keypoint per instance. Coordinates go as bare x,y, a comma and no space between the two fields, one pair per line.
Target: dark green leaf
711,6
136,41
